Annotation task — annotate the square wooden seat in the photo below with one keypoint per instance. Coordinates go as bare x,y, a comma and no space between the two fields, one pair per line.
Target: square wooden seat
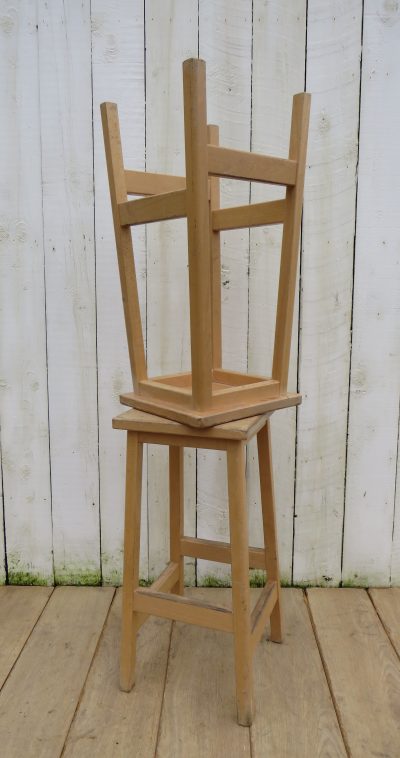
165,596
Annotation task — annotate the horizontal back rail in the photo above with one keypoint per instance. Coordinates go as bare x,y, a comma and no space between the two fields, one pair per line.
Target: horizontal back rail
146,210
243,216
236,164
147,183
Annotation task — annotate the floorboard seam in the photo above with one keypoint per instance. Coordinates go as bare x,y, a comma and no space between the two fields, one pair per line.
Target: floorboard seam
164,686
28,637
385,629
82,690
327,675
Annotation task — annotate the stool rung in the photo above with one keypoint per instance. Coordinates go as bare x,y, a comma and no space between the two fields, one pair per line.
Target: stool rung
220,552
262,611
182,609
167,579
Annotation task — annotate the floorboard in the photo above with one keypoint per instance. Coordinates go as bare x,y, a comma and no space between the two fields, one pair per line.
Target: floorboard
38,700
110,723
20,608
59,656
387,605
199,712
295,715
363,670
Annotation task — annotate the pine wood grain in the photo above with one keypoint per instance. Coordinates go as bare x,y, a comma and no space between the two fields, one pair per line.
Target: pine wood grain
363,669
114,724
199,713
20,607
43,689
295,715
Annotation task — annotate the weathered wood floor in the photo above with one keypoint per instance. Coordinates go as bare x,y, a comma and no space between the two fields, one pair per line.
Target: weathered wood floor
332,688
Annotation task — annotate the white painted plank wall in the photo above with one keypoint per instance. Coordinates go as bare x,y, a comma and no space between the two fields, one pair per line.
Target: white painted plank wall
375,367
53,73
333,76
68,222
3,572
279,36
23,375
118,76
171,25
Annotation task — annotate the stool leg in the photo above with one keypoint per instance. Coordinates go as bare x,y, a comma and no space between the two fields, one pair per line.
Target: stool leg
269,523
240,581
176,512
130,619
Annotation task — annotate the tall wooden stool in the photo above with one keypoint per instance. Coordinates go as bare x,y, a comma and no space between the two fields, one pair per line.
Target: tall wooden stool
208,394
165,596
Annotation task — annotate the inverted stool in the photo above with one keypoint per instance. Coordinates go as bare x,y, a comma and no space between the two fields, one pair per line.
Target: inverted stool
165,596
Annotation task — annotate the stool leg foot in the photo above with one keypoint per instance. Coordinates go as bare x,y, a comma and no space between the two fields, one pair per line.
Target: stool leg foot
130,619
176,512
269,524
240,582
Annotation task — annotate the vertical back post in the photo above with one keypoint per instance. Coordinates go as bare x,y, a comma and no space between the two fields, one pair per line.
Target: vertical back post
194,94
214,204
123,239
290,241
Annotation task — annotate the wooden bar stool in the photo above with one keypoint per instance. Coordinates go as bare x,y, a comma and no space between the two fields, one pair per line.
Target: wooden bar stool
208,394
165,596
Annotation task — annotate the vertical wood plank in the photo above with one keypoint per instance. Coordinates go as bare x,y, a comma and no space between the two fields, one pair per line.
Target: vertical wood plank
333,70
395,557
279,30
68,213
118,76
23,380
171,37
3,574
225,33
375,366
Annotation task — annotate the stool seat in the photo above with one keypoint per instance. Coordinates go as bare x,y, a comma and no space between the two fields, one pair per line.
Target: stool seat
139,421
165,597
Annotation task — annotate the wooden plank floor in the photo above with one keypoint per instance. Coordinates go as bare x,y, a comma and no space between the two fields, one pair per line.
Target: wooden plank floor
331,689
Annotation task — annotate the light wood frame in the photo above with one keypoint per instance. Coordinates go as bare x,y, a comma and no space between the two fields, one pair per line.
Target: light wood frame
165,597
208,394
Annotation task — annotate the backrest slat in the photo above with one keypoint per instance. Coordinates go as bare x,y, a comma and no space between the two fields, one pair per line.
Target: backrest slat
236,164
147,183
242,216
162,207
